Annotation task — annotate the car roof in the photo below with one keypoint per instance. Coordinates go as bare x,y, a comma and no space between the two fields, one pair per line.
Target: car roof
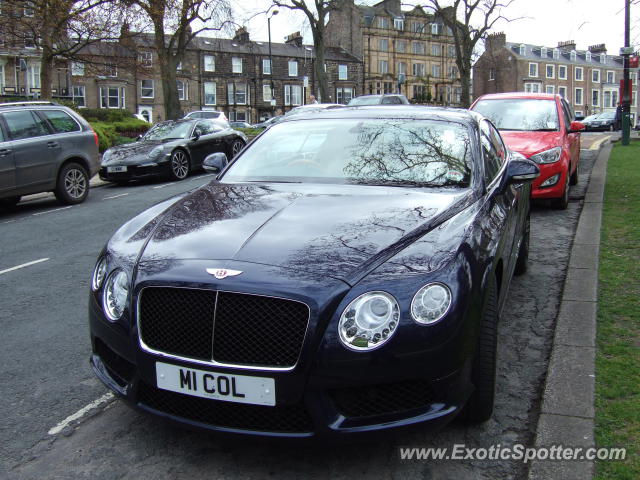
507,95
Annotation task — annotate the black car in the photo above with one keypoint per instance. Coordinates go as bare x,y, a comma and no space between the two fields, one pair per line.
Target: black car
268,122
384,99
343,275
604,122
171,149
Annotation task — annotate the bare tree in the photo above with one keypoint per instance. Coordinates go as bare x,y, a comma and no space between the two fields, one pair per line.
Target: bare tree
317,13
460,16
172,24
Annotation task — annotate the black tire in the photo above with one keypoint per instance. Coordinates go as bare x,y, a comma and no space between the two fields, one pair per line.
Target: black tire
573,180
236,146
479,407
563,202
523,252
9,201
73,184
179,166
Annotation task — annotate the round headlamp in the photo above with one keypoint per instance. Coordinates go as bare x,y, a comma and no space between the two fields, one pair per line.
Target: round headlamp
157,151
98,274
431,303
369,321
115,294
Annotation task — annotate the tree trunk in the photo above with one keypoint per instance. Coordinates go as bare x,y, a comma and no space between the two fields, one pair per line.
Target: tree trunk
321,75
46,72
172,106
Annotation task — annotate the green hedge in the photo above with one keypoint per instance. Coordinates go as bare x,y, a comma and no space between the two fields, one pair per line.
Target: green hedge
110,134
106,114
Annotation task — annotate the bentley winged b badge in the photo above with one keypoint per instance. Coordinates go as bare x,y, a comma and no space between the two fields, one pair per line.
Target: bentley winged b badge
221,273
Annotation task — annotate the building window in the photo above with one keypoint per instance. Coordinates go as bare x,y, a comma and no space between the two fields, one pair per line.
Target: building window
29,9
401,68
293,68
236,64
110,70
292,95
533,69
401,46
595,98
578,113
417,27
342,72
578,74
578,96
522,49
112,97
453,71
209,63
572,56
33,76
452,51
237,93
146,88
436,28
266,66
556,54
344,95
587,56
383,22
550,89
436,71
417,48
611,76
383,66
436,49
595,76
562,91
266,92
239,116
532,87
603,58
398,23
543,52
492,74
562,72
210,93
78,95
551,71
183,90
609,98
383,44
388,87
418,69
145,58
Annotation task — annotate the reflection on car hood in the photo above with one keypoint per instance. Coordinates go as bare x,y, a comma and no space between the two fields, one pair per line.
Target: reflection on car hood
331,230
530,143
132,152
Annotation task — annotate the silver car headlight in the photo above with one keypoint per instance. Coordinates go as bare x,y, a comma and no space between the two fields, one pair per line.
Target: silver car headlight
369,321
115,294
548,156
156,152
98,274
431,303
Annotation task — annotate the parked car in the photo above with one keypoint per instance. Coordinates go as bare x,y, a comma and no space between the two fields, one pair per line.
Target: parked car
539,126
171,149
586,121
386,99
240,125
216,116
268,122
311,108
45,147
604,122
318,286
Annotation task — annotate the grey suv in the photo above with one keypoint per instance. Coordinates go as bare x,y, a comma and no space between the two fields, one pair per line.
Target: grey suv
45,147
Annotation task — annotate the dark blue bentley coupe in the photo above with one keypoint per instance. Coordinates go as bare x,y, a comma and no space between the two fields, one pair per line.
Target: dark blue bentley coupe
343,275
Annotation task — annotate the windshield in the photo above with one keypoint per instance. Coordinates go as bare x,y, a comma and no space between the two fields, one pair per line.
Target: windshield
167,130
607,116
364,101
522,114
403,152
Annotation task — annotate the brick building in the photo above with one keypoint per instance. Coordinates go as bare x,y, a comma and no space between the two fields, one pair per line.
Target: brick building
411,52
588,79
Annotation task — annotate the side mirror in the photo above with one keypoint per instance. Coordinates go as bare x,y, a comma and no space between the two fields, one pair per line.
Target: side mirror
576,127
196,134
138,138
521,170
215,162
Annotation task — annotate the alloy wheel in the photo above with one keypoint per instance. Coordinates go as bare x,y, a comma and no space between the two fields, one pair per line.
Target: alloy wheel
75,183
180,164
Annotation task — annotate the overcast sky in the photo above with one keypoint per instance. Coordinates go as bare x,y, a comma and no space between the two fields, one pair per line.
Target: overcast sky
541,22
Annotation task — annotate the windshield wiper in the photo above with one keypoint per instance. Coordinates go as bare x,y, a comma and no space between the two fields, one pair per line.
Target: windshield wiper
398,183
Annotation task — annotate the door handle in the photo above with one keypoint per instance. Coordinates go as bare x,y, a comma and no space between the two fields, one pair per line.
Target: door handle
52,144
4,152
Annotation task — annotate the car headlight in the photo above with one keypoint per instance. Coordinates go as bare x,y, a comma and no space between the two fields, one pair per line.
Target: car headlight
369,321
430,303
157,151
115,294
548,156
98,274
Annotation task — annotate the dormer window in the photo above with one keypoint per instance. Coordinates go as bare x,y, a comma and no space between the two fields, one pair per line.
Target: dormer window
522,49
573,55
587,56
556,54
603,58
543,52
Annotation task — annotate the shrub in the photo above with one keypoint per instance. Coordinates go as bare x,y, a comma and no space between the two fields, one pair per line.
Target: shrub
105,114
106,135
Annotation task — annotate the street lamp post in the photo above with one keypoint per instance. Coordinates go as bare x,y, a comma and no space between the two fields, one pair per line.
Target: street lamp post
274,12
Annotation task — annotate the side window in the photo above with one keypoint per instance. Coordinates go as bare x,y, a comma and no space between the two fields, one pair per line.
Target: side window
387,100
1,135
498,145
568,114
205,127
24,124
490,154
61,121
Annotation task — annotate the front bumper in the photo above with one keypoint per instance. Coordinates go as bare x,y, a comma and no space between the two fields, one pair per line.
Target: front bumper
548,171
136,172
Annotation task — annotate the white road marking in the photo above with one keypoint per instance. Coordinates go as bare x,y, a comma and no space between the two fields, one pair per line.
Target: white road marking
116,196
163,185
51,211
81,413
23,265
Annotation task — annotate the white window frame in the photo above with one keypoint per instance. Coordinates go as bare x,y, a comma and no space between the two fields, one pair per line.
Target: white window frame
593,72
293,68
341,96
522,49
578,101
543,52
398,23
120,95
533,74
143,88
343,72
532,87
292,95
145,58
77,69
436,70
211,86
575,74
573,56
209,63
383,66
551,89
613,74
560,76
418,69
402,49
183,89
561,89
436,28
266,92
556,54
383,22
81,93
587,56
578,113
436,50
383,44
553,70
596,97
266,66
33,76
603,58
29,9
236,64
401,68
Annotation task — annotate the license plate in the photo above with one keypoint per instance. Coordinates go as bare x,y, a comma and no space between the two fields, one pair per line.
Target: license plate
117,169
214,385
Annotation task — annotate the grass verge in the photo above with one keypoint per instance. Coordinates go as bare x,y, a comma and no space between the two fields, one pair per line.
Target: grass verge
618,337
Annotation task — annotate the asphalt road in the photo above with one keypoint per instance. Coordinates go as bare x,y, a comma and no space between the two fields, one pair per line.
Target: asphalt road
46,376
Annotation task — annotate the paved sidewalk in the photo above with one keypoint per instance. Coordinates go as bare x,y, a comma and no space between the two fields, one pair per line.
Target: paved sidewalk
567,413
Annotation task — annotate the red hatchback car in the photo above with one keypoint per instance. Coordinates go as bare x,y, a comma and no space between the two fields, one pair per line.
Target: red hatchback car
540,127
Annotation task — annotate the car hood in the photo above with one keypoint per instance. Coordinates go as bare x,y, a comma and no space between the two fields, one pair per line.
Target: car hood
132,153
339,231
530,143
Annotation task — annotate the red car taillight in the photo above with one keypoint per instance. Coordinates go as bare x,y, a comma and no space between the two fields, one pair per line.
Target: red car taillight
95,137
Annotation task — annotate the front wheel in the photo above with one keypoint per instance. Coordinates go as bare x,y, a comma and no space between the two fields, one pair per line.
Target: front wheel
236,147
563,202
179,165
73,184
